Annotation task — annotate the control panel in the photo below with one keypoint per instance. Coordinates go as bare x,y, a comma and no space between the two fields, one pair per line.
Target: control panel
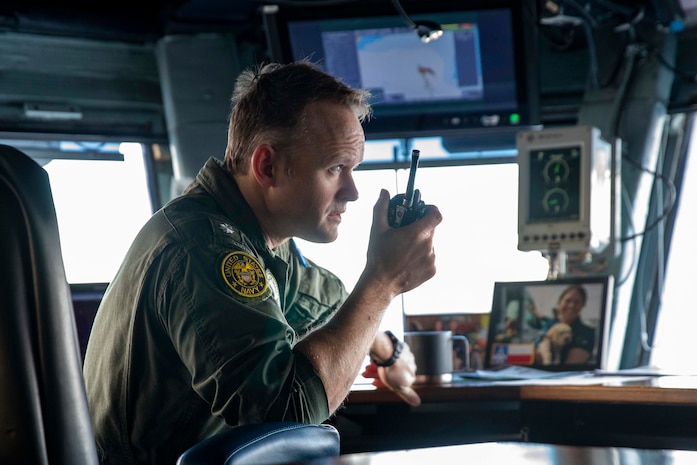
567,182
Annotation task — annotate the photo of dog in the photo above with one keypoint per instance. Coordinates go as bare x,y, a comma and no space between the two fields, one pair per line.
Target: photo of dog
562,322
552,342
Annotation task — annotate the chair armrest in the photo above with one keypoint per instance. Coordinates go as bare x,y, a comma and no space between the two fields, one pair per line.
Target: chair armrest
265,444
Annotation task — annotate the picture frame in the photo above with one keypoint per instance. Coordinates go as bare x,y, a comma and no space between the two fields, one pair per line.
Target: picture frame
555,325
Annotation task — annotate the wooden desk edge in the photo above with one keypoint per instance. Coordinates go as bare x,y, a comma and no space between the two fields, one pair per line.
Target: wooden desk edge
593,393
439,393
617,394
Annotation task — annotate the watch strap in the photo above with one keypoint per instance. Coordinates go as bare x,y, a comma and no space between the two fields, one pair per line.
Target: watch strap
397,347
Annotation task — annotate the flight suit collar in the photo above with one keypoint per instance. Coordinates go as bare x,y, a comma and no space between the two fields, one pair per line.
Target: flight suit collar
223,188
220,185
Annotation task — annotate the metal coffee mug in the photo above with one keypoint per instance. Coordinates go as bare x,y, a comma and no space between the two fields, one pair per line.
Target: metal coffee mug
433,353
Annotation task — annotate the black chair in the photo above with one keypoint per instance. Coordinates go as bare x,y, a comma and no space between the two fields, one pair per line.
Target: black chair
44,418
265,444
44,415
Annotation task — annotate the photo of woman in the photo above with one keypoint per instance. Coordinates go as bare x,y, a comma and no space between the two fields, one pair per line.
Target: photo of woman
549,324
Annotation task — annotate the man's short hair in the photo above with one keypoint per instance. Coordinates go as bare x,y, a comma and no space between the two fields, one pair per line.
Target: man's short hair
268,104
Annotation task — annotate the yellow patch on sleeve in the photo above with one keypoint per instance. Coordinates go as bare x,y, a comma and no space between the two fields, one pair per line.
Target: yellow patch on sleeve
244,275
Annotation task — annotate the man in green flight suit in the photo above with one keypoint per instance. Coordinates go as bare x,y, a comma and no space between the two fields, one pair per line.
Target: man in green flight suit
215,319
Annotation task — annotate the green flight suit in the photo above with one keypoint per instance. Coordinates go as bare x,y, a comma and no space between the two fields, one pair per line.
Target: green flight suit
196,331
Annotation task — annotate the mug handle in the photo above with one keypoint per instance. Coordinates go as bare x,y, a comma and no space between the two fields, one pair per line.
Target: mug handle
467,349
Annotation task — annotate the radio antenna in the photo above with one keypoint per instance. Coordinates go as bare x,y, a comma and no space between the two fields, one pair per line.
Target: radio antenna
409,195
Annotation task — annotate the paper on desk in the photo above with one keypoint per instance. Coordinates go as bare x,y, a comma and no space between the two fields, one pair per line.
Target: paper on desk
585,379
514,372
526,375
645,370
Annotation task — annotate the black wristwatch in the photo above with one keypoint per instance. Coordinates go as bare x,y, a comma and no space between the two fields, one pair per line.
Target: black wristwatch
397,346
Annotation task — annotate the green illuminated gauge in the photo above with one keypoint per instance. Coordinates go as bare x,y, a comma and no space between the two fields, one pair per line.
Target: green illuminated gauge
556,170
555,201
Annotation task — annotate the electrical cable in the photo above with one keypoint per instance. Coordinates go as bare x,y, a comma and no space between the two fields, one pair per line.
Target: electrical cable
426,30
630,54
629,25
589,24
643,316
666,208
631,227
403,14
582,11
660,255
691,77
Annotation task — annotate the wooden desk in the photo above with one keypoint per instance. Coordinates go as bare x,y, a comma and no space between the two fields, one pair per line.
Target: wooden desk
376,419
647,412
668,390
516,454
651,412
678,390
458,391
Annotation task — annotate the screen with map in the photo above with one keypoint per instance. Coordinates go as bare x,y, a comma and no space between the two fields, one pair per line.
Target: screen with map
475,77
398,68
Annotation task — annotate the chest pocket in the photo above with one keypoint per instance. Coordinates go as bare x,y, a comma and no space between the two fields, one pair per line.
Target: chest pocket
317,296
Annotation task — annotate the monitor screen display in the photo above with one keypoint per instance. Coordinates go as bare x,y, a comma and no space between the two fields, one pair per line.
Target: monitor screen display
478,76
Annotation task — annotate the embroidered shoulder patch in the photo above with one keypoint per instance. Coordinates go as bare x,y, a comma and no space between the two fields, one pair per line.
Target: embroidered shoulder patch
227,229
244,275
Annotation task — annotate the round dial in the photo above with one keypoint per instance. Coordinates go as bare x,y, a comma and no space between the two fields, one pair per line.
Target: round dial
556,170
555,201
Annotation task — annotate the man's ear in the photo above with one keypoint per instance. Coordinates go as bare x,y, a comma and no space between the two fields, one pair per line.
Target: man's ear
262,165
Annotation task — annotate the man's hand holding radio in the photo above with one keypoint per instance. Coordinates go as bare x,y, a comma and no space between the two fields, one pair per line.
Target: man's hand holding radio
402,258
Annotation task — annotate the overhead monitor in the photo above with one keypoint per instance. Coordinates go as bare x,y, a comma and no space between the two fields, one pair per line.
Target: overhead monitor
479,77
